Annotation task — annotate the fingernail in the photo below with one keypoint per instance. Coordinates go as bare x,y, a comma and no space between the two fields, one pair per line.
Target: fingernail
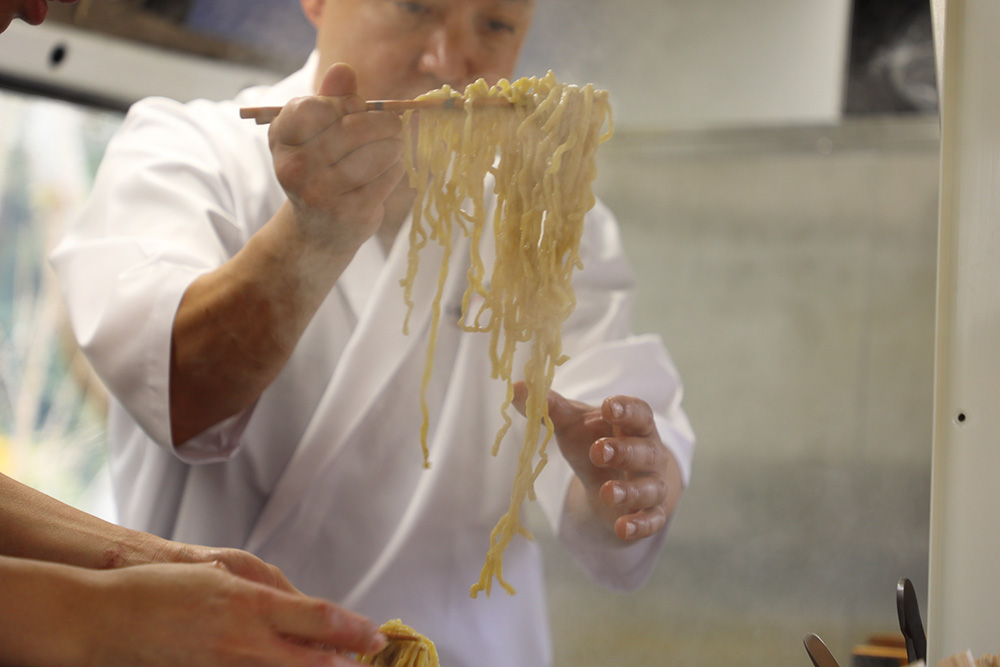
607,453
630,529
618,495
617,410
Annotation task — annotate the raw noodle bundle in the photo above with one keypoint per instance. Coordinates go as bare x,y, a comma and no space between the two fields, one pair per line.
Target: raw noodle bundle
541,152
406,648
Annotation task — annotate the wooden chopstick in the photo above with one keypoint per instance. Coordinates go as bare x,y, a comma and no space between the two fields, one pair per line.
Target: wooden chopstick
264,115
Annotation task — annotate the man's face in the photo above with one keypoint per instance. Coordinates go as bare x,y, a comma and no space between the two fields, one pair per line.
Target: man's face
402,48
32,11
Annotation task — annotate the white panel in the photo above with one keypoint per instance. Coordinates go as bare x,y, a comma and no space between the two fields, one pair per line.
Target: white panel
116,70
964,583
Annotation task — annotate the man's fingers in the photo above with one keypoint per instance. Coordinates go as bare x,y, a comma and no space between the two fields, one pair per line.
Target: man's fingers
246,565
520,397
348,153
634,494
363,166
561,409
357,131
323,623
641,524
626,413
304,118
628,454
631,415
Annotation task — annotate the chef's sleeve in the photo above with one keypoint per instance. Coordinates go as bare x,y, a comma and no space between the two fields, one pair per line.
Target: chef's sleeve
161,213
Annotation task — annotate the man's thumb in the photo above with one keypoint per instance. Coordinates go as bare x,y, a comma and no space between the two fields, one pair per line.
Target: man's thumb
339,81
561,410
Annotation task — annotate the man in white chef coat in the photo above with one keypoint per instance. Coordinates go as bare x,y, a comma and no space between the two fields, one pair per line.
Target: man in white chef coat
237,288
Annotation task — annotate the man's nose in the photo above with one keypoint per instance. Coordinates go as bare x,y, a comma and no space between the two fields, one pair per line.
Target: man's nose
450,56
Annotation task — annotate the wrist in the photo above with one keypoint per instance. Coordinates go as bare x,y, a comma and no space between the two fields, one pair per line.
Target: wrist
133,547
51,613
291,242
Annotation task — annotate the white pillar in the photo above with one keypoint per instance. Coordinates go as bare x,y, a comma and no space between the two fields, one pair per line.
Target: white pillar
964,577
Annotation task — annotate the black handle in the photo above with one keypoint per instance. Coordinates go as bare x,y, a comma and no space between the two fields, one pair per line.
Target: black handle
909,621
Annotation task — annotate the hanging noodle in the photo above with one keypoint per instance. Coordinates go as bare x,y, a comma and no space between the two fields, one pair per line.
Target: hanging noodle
542,155
406,648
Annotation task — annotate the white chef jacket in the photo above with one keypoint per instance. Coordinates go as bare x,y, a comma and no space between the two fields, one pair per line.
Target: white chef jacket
322,475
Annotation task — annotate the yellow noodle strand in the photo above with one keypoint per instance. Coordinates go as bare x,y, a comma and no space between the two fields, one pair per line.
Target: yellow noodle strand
541,153
406,648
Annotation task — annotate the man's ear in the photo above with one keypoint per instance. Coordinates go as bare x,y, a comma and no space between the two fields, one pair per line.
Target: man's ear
313,9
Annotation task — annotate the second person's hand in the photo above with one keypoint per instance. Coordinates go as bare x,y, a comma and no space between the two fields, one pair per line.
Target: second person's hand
205,615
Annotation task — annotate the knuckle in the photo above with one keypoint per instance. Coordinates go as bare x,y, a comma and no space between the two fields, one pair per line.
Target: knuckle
656,519
311,106
653,455
647,494
297,104
634,494
660,488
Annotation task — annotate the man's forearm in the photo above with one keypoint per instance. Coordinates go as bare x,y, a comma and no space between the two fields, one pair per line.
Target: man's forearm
237,326
35,525
44,605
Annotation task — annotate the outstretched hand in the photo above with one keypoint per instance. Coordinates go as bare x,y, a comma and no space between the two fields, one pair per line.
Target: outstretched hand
628,477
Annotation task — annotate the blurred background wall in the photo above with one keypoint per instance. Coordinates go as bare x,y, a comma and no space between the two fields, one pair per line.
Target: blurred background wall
791,272
775,171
